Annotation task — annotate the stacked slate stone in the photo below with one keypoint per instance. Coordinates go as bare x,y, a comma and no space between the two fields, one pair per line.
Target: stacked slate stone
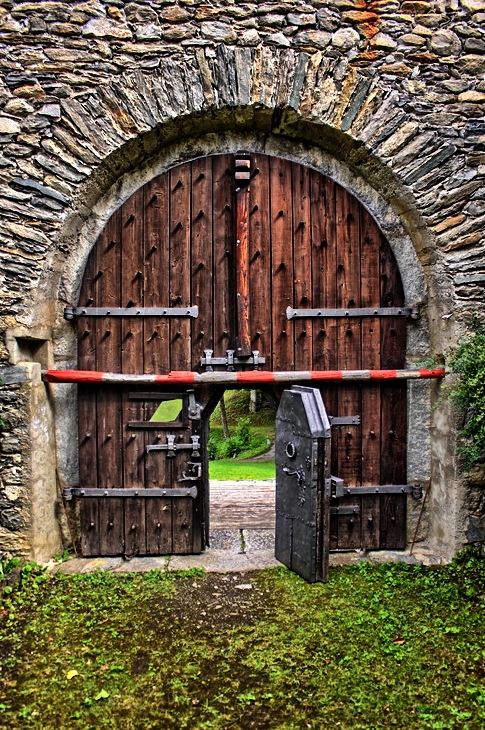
81,78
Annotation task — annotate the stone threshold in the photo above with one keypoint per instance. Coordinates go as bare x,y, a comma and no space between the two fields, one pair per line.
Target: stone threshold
235,551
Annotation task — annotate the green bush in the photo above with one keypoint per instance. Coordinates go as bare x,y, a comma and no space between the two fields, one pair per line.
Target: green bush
468,394
244,439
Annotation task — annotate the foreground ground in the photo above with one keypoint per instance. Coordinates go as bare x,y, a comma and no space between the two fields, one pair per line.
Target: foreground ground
392,646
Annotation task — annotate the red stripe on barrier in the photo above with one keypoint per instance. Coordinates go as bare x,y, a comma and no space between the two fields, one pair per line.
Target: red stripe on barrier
326,375
189,377
436,373
180,377
383,374
256,376
73,376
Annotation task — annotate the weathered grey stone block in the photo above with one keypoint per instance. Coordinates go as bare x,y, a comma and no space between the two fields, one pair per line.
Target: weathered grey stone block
345,38
445,43
219,32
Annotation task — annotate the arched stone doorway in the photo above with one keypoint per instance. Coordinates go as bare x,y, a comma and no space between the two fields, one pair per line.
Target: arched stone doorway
231,250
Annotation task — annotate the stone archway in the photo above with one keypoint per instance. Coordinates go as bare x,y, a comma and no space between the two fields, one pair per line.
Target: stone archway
390,211
94,108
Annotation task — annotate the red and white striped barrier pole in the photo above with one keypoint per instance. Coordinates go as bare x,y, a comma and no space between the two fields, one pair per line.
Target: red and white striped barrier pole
250,377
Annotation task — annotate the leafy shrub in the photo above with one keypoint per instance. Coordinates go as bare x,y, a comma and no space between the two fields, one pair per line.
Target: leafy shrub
468,393
244,439
234,445
215,440
7,564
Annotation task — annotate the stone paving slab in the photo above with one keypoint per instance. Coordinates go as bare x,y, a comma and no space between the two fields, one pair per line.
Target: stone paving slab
85,565
143,565
221,561
256,541
225,540
257,555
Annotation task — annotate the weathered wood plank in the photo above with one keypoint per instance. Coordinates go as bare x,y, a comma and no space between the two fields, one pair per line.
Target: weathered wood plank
88,442
201,257
324,293
302,258
89,526
180,256
349,357
159,526
242,262
156,332
371,393
394,409
108,357
158,511
223,285
132,360
242,505
259,259
282,263
180,223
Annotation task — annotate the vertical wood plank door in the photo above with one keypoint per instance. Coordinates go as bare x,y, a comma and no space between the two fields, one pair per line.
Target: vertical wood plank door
306,243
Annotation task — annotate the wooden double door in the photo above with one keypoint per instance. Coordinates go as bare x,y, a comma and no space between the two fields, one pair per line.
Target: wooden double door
204,266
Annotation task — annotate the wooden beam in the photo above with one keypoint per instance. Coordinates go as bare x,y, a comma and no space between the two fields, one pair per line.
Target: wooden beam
243,345
251,377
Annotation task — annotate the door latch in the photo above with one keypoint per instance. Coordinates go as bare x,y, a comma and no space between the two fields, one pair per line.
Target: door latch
195,409
192,473
171,446
336,487
231,360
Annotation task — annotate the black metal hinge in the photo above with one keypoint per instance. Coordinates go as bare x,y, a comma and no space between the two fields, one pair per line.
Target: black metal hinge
344,420
338,489
177,492
415,489
72,312
352,509
411,312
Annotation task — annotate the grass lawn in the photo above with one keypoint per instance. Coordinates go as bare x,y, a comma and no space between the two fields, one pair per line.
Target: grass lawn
234,469
377,647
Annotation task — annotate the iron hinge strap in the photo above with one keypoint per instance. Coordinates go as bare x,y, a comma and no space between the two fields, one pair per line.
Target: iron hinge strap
344,420
72,312
177,492
412,312
351,509
415,489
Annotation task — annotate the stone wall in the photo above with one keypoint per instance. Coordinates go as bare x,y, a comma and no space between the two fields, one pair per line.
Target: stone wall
386,96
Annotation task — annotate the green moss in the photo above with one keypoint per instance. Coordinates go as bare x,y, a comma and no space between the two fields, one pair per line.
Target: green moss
379,646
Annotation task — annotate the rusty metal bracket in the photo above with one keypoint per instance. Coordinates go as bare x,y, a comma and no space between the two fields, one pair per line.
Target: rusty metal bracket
72,312
208,361
70,493
411,312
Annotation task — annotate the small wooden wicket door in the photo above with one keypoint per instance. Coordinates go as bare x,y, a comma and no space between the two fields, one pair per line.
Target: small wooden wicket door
225,245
